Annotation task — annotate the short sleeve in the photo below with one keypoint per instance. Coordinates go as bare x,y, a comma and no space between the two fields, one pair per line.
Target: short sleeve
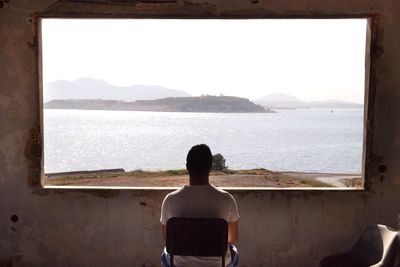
165,211
233,209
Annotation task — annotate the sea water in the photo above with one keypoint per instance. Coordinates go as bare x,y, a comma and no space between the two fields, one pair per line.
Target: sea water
305,140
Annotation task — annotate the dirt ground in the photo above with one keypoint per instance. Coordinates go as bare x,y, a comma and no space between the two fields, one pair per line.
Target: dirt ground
245,178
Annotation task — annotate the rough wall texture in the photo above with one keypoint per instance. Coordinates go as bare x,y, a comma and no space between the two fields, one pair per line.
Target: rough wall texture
121,227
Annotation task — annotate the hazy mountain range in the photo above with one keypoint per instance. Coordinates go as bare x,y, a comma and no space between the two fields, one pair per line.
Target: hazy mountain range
91,89
88,88
283,101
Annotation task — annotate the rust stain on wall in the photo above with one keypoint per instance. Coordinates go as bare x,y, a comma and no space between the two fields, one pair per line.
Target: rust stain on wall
103,193
33,153
120,9
372,174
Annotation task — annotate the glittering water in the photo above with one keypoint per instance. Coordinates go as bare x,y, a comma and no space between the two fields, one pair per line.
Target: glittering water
312,140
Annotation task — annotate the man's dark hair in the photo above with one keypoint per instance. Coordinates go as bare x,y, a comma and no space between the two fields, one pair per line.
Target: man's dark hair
199,160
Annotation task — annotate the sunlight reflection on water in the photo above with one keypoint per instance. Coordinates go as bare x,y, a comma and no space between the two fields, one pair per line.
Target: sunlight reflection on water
312,140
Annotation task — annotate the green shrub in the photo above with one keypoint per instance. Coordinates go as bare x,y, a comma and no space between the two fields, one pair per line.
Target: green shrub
218,163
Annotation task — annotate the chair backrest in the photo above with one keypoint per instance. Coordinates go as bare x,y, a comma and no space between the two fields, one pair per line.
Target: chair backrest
375,245
197,237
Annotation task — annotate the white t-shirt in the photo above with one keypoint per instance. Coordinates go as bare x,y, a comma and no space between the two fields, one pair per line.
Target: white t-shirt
199,201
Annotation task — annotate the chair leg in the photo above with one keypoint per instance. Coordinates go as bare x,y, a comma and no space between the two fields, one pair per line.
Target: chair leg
171,260
223,261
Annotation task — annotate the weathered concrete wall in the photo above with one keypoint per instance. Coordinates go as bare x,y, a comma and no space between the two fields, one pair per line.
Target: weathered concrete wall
120,227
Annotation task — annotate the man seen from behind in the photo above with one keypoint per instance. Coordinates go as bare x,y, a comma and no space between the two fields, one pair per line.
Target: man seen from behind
200,199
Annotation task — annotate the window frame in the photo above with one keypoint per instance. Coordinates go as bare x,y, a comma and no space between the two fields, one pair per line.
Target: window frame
373,50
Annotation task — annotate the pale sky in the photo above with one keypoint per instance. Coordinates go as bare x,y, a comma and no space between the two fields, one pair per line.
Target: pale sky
311,59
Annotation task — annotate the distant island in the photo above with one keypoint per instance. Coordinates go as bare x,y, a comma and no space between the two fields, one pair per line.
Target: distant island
90,93
217,104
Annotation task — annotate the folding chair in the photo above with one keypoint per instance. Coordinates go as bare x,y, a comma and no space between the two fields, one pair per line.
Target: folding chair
197,237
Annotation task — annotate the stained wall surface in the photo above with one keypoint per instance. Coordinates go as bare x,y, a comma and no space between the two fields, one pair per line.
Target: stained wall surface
121,227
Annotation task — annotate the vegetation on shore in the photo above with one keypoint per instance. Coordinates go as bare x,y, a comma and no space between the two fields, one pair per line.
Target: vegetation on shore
217,104
218,163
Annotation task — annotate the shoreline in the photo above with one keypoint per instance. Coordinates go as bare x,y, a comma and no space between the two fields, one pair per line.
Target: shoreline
229,178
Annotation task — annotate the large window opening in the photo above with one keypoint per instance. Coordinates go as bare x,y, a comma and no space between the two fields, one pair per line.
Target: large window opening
280,102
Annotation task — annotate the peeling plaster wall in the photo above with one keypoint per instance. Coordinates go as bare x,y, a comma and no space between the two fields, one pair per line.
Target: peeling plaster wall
121,227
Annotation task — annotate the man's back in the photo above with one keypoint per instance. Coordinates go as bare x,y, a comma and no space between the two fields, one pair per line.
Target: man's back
199,201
